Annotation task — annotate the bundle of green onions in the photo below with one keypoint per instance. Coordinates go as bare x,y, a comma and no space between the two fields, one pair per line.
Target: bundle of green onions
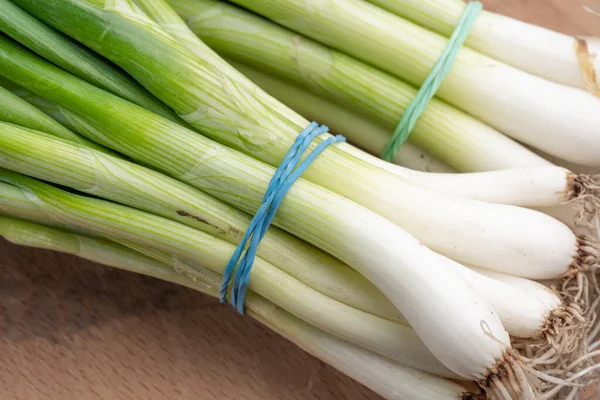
119,124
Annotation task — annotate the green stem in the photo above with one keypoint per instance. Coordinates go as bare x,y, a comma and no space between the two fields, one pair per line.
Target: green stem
101,251
108,177
361,130
15,110
193,248
449,134
73,57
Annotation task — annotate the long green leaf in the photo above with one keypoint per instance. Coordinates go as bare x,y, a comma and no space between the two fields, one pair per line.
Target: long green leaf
73,57
449,134
108,177
198,248
15,110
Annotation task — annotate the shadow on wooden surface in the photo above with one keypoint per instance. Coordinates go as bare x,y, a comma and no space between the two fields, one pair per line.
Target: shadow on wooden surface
70,329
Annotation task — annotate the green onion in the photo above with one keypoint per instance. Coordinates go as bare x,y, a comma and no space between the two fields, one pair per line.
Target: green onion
448,134
531,48
326,229
400,266
100,175
69,55
130,184
389,379
542,186
557,119
187,247
244,36
17,111
171,22
359,129
59,114
100,250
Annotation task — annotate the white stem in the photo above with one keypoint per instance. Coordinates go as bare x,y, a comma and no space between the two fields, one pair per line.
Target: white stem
542,186
522,313
531,48
534,289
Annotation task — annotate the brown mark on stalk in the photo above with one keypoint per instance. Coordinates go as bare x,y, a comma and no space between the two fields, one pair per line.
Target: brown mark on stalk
230,229
201,220
586,66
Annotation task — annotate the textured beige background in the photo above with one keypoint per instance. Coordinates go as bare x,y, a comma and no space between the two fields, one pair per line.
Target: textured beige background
70,329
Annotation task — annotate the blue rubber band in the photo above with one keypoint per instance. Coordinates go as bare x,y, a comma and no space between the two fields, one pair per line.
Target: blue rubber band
433,82
288,172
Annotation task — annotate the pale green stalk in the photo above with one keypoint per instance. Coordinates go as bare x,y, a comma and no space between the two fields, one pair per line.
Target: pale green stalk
557,119
14,201
388,378
75,58
52,110
359,129
303,103
108,177
62,115
447,133
531,48
15,110
194,247
102,251
160,12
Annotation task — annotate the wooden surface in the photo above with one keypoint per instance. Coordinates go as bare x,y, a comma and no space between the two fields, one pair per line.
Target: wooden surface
70,329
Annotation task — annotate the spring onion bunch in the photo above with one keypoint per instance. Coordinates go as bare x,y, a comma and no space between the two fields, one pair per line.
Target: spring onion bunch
188,251
450,135
541,186
332,230
338,234
348,266
187,247
119,122
234,123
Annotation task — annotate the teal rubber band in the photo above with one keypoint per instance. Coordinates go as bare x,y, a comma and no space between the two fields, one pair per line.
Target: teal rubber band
433,82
